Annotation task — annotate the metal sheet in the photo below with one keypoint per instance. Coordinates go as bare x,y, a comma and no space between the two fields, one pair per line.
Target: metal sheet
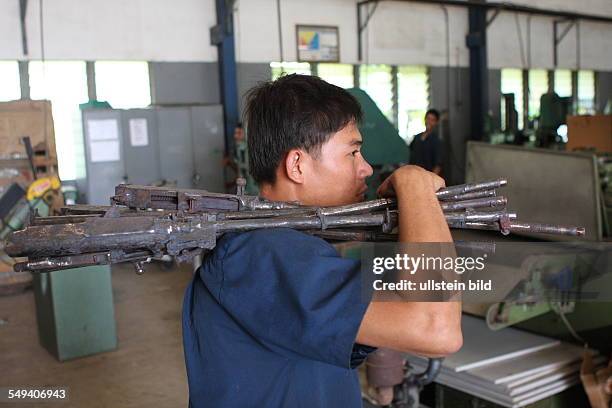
482,346
543,185
551,358
499,395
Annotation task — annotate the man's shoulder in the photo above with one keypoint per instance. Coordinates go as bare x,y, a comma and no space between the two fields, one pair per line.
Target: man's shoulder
270,240
417,138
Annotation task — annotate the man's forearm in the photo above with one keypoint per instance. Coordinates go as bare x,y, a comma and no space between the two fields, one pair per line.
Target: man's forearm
420,216
421,220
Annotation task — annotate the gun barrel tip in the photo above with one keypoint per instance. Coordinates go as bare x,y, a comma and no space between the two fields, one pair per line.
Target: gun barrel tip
503,182
580,231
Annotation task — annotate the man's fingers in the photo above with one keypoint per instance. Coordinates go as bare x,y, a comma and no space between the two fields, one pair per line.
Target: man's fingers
438,181
386,188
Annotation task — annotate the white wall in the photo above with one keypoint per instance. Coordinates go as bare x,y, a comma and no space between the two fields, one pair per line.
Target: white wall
405,33
157,30
399,32
504,49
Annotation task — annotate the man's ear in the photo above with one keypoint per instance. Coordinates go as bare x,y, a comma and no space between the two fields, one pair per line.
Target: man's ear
295,163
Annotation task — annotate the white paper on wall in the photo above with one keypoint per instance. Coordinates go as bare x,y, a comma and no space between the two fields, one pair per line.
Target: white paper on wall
104,151
103,129
139,134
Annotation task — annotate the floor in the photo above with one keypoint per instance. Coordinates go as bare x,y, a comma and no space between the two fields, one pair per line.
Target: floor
147,369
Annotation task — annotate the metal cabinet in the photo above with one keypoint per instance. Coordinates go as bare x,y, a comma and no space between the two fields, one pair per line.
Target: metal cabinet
176,146
208,148
141,146
182,146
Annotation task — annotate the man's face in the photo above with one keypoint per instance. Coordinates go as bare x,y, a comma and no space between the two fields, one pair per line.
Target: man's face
337,175
431,121
238,134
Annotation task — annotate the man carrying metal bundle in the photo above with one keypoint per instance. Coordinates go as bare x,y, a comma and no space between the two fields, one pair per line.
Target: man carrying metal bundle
275,317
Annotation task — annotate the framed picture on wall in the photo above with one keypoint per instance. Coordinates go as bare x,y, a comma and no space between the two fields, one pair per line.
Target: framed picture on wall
317,43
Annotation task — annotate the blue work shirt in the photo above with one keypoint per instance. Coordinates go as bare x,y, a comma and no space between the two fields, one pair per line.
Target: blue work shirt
270,320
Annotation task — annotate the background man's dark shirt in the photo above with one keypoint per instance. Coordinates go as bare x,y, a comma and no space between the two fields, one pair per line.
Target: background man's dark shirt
426,153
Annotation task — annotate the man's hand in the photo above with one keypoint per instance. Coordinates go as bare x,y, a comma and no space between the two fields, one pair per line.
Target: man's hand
408,178
420,216
427,328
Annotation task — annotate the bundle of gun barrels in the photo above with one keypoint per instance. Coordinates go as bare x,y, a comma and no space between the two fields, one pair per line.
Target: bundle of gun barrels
149,222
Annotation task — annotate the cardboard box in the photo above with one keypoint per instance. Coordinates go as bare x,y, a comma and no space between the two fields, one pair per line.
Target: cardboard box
26,118
589,132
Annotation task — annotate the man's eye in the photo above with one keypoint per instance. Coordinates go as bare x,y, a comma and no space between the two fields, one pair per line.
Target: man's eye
355,152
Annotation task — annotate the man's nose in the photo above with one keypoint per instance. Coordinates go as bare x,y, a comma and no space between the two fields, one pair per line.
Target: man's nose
365,170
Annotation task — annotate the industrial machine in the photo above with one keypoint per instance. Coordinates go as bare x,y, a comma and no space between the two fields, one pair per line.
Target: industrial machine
383,148
553,112
552,186
43,197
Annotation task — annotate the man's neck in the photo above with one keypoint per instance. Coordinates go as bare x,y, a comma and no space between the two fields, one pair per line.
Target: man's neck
277,192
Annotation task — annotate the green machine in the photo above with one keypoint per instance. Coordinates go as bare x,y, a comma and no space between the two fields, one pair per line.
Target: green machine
74,308
382,146
75,312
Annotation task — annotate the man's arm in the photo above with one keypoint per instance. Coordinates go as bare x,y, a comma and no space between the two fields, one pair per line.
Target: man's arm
426,328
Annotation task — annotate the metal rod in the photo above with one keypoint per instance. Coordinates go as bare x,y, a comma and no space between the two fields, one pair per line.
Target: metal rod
546,228
468,188
477,203
308,222
494,216
469,196
517,226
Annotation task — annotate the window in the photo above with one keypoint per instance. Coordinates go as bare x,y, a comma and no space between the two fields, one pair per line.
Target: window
281,68
412,100
64,83
123,84
338,74
563,82
376,81
538,85
586,92
9,81
512,83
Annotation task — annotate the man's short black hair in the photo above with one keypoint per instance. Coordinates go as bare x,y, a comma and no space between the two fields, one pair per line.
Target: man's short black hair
433,112
293,112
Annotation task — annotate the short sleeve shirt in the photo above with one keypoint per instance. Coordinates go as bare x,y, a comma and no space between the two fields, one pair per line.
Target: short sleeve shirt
270,320
426,153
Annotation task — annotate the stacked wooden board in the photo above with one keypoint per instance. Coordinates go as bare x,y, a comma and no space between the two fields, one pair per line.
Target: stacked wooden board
509,367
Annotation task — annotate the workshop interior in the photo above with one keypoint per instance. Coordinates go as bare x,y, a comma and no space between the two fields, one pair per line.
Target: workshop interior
124,159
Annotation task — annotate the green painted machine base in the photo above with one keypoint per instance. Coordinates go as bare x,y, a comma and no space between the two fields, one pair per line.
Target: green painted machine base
75,312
